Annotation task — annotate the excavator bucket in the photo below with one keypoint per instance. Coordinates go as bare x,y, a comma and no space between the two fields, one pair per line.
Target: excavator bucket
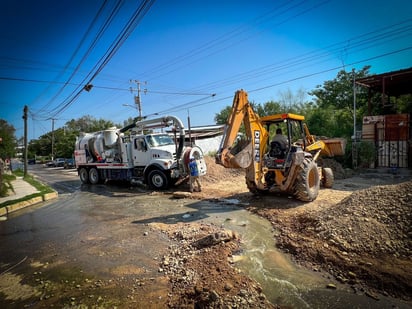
235,158
243,158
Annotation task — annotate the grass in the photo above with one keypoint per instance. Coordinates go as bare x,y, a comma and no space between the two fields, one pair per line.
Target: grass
8,186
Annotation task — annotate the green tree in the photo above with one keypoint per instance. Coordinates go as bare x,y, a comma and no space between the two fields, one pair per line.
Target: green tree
335,99
223,115
404,103
65,138
8,142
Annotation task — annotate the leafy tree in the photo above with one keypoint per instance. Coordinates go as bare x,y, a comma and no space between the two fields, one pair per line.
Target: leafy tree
337,95
223,115
8,141
404,103
65,138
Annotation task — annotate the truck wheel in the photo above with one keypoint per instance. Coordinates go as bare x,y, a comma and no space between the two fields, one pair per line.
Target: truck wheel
157,180
327,177
307,181
94,176
84,175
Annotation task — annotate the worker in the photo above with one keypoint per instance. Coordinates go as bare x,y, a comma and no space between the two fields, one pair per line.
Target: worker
281,139
194,175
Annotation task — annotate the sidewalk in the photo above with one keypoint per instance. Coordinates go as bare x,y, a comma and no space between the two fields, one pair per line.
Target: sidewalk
22,189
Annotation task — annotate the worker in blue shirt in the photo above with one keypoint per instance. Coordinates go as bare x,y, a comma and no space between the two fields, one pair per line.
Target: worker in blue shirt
194,176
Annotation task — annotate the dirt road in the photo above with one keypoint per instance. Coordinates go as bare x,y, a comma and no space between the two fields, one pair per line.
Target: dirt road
358,233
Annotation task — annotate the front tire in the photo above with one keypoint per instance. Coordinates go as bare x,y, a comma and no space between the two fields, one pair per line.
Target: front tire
94,176
307,181
84,175
327,177
157,180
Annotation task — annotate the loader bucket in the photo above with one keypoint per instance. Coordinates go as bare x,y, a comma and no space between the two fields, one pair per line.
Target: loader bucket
334,147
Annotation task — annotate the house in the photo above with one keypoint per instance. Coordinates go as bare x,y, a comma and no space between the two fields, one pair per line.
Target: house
391,134
208,138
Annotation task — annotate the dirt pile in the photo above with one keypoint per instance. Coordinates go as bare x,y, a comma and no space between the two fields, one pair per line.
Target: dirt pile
364,240
216,172
362,237
375,221
338,170
200,271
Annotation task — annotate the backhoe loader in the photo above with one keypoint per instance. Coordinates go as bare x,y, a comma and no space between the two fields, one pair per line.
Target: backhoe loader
269,166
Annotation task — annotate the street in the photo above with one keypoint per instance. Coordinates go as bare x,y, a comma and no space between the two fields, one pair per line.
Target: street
104,245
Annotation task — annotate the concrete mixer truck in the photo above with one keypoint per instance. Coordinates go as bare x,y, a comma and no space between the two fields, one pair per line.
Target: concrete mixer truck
137,154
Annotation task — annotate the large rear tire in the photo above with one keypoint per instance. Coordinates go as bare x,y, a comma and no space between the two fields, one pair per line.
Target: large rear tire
327,177
84,175
157,180
307,181
94,176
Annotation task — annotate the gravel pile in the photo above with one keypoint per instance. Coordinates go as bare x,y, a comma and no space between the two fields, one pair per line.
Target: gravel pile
365,240
201,273
375,221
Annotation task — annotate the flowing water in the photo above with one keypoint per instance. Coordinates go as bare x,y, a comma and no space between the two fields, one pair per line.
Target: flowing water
283,282
89,229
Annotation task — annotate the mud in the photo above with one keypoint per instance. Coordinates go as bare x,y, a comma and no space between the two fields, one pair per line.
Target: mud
85,252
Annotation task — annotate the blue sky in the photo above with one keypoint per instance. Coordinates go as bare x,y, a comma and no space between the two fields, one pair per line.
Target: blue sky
185,51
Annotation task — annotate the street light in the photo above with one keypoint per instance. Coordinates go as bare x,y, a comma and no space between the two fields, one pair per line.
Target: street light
128,105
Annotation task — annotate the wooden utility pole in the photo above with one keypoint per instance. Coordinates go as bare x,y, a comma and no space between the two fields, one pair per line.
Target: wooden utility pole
52,154
137,99
25,110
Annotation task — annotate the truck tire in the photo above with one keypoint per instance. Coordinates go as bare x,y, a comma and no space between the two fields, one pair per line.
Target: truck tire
84,175
307,181
94,178
327,177
157,180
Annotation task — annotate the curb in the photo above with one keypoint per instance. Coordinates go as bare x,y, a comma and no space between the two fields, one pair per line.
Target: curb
4,211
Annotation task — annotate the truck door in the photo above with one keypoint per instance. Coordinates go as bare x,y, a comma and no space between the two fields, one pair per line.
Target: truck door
140,152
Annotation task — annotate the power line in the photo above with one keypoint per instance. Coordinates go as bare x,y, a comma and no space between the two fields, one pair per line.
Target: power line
225,41
191,105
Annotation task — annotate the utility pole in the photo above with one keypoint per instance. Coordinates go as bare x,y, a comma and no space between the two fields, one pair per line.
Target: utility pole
190,129
52,154
137,99
25,110
354,144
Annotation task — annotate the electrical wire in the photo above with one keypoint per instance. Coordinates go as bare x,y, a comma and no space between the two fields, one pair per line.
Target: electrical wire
192,105
127,30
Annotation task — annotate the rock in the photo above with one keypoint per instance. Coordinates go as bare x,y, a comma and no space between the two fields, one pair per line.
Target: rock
213,295
371,295
331,286
215,238
351,274
228,286
181,194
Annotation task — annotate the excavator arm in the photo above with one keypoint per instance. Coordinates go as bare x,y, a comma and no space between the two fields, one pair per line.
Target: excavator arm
242,155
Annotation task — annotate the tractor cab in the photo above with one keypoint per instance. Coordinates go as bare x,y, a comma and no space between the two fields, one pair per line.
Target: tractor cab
286,136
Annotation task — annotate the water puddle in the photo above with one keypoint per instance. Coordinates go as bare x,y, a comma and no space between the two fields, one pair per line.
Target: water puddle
283,282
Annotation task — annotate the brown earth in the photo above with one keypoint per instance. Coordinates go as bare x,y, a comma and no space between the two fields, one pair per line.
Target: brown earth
359,232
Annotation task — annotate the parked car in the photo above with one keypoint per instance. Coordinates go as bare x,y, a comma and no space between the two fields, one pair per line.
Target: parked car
58,162
70,163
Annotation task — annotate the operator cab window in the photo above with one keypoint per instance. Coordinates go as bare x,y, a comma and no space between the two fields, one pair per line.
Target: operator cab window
140,144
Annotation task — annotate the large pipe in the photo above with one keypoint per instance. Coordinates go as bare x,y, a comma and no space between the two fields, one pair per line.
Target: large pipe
159,123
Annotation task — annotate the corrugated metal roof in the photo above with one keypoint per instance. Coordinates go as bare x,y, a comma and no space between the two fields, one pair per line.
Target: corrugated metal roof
393,83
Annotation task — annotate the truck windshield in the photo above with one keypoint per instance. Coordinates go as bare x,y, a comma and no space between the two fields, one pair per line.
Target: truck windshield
159,140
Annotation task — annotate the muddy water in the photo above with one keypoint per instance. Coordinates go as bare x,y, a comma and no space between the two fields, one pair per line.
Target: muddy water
103,232
283,282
